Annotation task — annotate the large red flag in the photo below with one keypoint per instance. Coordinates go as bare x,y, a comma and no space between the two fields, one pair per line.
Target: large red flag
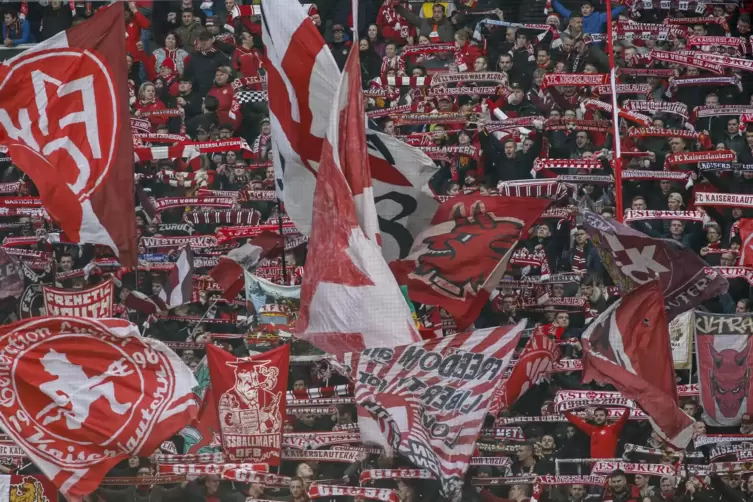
64,119
349,298
746,249
628,346
81,395
461,258
250,400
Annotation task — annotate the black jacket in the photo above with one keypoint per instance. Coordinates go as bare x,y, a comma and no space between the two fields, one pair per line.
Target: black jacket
55,21
201,67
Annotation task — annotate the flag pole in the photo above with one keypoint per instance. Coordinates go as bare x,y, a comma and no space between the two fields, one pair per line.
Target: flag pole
282,236
615,117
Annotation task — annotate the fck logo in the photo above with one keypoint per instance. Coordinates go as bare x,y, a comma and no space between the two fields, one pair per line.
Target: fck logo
638,264
59,118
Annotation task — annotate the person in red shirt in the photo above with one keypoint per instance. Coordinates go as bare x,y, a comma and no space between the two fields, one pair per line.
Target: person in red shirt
604,436
135,22
149,102
223,91
247,59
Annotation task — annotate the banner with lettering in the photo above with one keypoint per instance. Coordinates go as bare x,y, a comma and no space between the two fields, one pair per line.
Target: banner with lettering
724,356
427,400
250,400
94,302
681,340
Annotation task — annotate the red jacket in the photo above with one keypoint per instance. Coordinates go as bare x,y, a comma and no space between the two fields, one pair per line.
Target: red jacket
155,105
224,95
133,30
247,61
604,438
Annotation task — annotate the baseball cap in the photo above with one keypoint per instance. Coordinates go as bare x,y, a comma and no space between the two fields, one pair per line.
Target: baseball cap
337,27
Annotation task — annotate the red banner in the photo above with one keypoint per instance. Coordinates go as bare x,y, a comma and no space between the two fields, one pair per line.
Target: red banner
250,397
94,302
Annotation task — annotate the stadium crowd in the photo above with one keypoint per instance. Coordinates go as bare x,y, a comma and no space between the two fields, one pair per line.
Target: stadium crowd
196,70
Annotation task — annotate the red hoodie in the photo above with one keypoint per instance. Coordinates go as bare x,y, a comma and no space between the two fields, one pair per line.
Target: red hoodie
604,438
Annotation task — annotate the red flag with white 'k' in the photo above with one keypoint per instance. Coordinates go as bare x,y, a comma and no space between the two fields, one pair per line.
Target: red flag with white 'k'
430,399
349,298
303,78
81,395
179,286
460,259
64,118
628,346
250,402
535,363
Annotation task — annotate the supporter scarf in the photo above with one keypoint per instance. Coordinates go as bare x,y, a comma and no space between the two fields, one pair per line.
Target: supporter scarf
468,91
468,151
722,60
646,72
676,108
511,433
544,28
635,175
169,112
423,49
30,253
580,125
659,132
202,458
735,273
606,90
715,110
319,392
227,234
161,138
345,427
721,21
735,42
472,76
567,301
379,474
196,241
141,480
390,82
392,111
223,217
173,202
606,467
722,199
724,166
20,202
720,438
550,189
635,215
24,211
341,456
573,79
239,83
328,401
723,450
164,316
595,104
556,212
730,467
546,163
311,410
571,480
513,123
491,461
657,30
676,159
585,178
503,481
387,93
317,441
430,118
566,400
673,57
358,492
644,450
267,479
10,188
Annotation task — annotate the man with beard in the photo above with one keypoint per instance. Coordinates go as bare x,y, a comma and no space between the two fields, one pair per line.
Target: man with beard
604,436
619,490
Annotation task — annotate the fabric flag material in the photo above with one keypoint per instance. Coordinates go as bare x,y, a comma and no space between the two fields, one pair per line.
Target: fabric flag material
64,118
746,236
138,301
27,488
228,273
202,435
261,292
303,78
632,258
461,258
94,302
428,400
11,276
628,346
535,363
94,392
724,357
349,299
179,286
250,400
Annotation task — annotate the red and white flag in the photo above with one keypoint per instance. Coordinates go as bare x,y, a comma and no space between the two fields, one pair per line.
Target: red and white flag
94,302
628,346
65,122
229,272
250,402
11,276
535,363
460,259
82,415
349,298
303,78
427,401
138,301
179,286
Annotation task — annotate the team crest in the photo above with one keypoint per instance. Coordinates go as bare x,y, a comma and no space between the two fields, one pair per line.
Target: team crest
29,489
